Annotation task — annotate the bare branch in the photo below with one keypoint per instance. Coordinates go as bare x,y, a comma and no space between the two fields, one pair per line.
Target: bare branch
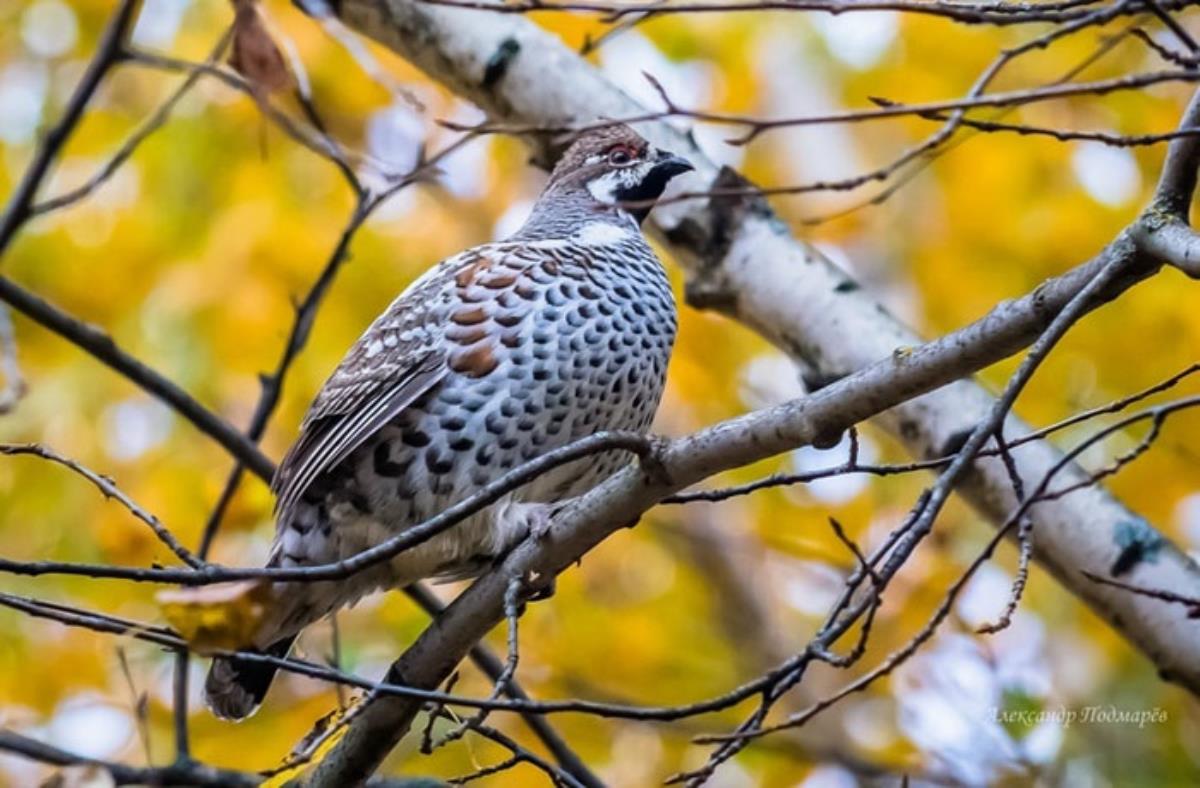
99,622
151,125
110,490
189,773
967,13
1192,603
895,659
1171,24
108,54
484,496
102,347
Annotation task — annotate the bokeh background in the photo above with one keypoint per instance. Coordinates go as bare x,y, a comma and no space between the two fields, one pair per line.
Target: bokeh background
192,256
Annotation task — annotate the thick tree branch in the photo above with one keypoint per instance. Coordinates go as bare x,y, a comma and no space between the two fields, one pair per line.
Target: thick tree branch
1171,241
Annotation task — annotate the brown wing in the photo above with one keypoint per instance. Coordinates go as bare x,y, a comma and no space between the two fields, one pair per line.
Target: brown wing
399,358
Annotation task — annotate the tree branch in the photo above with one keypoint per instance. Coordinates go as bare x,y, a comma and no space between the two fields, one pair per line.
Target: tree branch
108,54
102,347
110,490
189,773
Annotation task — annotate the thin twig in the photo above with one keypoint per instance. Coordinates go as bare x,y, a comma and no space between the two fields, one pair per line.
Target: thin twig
109,489
189,773
108,54
635,443
127,149
1191,603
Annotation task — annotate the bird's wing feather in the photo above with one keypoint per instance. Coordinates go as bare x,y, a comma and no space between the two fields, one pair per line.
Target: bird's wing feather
327,441
399,358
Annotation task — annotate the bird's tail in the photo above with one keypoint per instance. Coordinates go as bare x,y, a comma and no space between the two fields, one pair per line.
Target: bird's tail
235,688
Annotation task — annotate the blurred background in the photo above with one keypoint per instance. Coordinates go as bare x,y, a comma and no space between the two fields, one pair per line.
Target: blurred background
194,252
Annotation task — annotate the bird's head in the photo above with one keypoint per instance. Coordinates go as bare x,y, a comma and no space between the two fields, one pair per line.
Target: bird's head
617,169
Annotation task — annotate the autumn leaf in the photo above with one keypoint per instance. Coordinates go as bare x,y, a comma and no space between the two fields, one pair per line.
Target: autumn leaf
255,55
219,617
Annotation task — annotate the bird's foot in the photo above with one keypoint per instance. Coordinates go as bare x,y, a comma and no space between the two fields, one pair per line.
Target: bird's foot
521,520
652,464
539,518
529,520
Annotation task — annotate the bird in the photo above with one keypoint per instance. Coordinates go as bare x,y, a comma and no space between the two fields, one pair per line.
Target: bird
490,359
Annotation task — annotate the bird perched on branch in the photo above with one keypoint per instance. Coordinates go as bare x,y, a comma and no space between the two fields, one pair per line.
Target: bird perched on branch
492,358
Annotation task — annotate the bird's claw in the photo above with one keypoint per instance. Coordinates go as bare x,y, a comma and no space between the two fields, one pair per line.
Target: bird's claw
652,463
539,518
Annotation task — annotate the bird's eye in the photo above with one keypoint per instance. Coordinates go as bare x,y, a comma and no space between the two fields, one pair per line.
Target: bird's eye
620,156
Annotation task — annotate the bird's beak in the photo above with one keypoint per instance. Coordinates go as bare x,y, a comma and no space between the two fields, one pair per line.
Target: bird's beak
667,165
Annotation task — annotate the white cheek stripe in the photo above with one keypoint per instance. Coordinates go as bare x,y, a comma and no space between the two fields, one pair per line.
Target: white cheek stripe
604,187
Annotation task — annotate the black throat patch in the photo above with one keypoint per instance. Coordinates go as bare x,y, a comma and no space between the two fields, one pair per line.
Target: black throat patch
638,199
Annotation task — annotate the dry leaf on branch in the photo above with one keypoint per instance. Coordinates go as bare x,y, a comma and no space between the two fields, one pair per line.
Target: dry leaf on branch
219,617
255,55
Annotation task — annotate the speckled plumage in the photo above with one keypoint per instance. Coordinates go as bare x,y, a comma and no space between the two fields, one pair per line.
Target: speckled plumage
493,357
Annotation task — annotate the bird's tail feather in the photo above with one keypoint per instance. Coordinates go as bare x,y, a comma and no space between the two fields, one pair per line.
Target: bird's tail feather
235,688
